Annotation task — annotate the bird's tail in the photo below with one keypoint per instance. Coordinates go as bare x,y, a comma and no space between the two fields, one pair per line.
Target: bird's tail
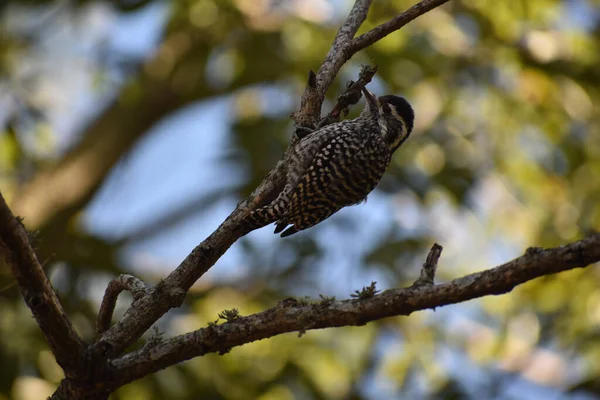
260,217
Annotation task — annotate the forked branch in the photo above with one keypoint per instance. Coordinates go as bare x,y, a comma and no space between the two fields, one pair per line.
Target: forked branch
293,315
171,291
345,46
105,358
130,283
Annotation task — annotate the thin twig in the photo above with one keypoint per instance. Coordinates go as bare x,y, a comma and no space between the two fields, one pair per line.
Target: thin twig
350,97
123,282
345,46
312,99
381,31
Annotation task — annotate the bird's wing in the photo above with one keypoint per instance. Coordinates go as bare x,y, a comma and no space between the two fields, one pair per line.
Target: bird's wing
298,160
343,172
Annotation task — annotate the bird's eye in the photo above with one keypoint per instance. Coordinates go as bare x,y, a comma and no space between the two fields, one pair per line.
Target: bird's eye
385,107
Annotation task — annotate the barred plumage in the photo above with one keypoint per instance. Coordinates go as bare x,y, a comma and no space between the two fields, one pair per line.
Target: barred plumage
337,165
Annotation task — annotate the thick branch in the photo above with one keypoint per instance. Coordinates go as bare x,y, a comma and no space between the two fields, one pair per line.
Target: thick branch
38,293
292,315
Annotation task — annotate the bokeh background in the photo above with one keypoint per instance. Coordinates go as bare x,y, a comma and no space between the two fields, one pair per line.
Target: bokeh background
130,129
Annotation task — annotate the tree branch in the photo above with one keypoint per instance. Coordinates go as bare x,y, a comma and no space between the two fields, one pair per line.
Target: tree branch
381,31
38,293
350,97
312,99
294,315
344,47
124,282
430,267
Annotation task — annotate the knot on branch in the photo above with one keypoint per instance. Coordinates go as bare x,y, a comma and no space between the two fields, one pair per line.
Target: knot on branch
173,295
35,300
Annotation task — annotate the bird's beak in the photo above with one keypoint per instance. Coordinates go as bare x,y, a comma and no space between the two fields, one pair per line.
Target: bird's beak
371,99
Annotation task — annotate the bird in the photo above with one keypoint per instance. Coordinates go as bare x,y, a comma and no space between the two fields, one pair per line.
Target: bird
337,165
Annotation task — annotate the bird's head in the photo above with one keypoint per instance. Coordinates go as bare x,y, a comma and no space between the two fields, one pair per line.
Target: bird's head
394,115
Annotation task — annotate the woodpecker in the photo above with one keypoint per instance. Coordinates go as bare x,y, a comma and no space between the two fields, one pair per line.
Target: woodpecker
338,165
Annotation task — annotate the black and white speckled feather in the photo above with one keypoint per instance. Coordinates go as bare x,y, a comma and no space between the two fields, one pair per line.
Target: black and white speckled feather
337,165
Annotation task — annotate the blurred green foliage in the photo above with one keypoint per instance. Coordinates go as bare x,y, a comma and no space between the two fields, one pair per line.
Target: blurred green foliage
505,155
